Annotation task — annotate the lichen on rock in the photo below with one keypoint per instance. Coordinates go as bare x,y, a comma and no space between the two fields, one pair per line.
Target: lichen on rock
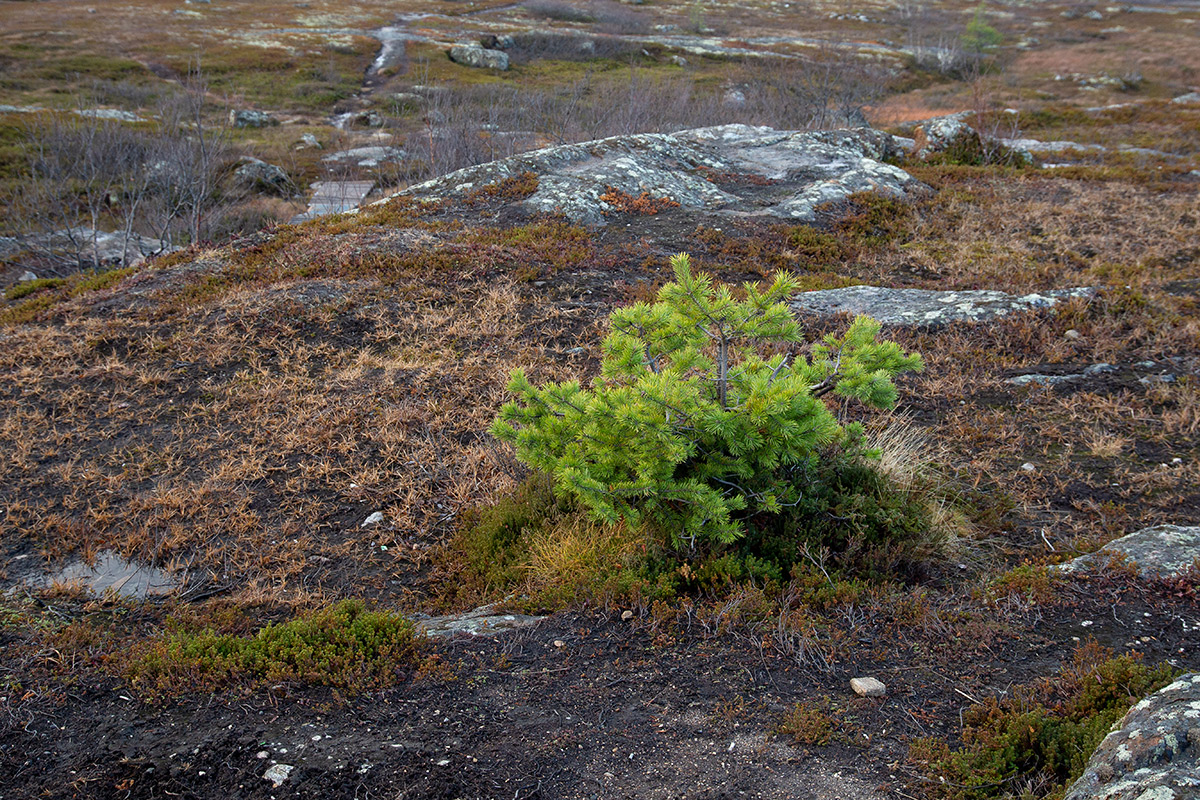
789,173
1151,754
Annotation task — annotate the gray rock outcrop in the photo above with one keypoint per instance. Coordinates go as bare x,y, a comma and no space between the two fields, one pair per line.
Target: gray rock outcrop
482,621
258,174
927,307
248,118
1151,754
371,156
940,134
775,173
474,55
1165,550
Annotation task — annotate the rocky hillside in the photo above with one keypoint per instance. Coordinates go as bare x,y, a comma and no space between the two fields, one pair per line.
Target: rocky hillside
257,540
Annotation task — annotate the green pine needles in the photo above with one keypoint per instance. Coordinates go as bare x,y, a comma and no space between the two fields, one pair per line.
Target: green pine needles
693,422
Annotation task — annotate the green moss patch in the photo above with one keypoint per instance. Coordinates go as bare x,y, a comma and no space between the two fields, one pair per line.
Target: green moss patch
346,647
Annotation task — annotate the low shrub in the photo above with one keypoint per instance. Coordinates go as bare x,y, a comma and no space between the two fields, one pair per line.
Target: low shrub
344,646
546,545
807,723
1036,741
715,453
26,288
689,426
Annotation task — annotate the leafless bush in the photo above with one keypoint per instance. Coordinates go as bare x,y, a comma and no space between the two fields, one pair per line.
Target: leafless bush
560,11
618,18
464,126
933,39
607,16
539,46
827,90
125,94
193,153
87,175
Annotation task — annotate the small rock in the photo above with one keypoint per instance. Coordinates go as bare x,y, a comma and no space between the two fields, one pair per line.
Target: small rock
278,773
1191,98
929,308
109,113
28,275
368,156
1100,369
559,643
310,140
1043,380
482,621
1028,466
679,61
868,687
261,754
1073,334
626,614
1165,550
374,519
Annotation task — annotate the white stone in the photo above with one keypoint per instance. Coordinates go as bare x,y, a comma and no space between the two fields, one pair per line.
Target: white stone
278,773
868,687
374,519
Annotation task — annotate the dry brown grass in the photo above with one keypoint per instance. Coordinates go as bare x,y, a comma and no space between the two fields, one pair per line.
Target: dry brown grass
243,439
236,414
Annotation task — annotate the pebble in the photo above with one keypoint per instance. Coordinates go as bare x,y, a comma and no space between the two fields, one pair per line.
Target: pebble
1028,466
1073,334
626,614
868,687
374,519
278,773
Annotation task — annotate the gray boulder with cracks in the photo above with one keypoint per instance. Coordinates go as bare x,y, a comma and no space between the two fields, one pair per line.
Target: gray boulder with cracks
1164,550
734,170
1151,754
928,307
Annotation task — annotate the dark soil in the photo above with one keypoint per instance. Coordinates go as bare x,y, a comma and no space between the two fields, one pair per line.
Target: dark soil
584,705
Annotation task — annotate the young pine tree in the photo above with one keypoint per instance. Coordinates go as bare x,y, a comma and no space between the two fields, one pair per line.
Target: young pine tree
692,419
